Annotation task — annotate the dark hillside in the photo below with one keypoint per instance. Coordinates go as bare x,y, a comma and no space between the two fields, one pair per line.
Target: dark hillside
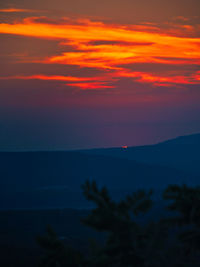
53,179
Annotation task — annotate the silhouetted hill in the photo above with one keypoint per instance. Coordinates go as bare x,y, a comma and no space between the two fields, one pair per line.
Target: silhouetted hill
193,139
182,153
53,179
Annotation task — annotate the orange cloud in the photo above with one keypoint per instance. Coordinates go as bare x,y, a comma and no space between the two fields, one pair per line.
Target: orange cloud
112,48
197,76
80,82
46,77
91,85
159,80
17,10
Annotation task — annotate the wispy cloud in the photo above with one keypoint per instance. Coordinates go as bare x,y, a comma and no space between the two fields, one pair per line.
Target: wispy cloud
80,82
112,48
46,78
17,10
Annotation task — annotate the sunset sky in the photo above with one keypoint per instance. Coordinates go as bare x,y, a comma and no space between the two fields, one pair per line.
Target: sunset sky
84,73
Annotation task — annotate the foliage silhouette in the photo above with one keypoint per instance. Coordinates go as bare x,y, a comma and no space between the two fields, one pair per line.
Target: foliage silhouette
130,242
185,202
58,255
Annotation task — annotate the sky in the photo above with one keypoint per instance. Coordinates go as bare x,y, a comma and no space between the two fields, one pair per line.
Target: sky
84,73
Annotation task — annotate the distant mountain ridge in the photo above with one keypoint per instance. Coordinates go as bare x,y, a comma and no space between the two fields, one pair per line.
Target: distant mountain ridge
193,139
182,153
53,179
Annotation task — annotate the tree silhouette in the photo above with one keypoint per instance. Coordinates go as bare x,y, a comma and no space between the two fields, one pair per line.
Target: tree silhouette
130,242
185,205
125,236
57,254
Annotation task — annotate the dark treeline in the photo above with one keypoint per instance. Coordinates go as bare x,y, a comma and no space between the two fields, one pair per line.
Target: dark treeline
171,241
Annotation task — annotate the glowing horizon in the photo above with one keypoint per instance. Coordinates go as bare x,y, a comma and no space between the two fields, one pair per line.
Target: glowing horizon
98,73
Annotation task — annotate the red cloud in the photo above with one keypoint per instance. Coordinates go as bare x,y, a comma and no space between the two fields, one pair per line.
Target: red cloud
17,10
111,48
